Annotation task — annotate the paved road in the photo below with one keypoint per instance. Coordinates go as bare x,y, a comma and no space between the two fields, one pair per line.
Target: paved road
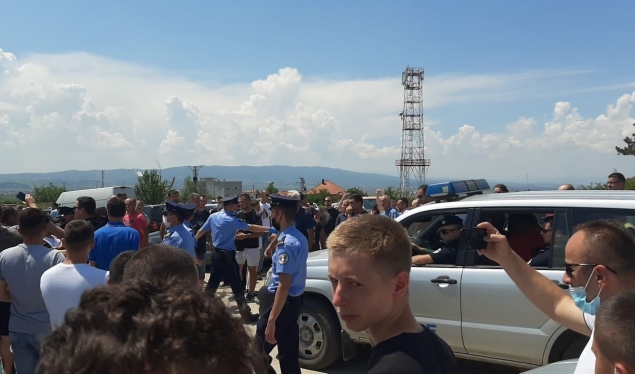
358,364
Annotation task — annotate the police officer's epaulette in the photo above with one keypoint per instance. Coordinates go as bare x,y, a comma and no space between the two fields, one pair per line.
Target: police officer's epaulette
281,240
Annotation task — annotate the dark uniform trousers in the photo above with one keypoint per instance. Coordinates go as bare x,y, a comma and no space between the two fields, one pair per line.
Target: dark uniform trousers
287,335
225,267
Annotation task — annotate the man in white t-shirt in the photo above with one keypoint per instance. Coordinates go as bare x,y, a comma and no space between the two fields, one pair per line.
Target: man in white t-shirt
265,215
62,286
599,262
613,343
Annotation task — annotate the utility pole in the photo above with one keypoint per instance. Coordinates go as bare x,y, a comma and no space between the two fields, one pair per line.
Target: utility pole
195,177
302,185
102,178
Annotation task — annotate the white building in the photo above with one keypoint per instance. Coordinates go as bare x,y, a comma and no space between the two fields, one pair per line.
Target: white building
218,187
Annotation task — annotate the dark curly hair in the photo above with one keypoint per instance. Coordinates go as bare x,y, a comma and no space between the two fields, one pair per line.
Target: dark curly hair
149,327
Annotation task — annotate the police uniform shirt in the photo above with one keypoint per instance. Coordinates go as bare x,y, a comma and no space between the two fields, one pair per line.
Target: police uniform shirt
181,237
290,258
223,227
446,255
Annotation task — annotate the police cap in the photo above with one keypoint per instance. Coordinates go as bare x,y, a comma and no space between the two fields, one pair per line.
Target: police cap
451,220
232,199
283,201
177,208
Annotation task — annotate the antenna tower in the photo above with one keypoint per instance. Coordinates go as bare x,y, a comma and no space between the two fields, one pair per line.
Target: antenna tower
412,161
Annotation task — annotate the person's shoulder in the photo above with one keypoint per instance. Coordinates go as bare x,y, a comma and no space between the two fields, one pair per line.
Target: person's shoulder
396,363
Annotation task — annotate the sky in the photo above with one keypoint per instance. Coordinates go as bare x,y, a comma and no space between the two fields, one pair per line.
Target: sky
511,89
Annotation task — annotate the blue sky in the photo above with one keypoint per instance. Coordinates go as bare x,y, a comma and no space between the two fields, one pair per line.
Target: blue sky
588,44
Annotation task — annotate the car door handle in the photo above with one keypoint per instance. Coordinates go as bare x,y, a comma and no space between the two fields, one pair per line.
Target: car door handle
443,279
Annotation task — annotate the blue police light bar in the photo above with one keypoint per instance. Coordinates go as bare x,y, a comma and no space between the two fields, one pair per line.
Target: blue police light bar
451,189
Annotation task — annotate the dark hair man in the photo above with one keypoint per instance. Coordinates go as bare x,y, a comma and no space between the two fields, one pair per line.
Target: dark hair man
598,261
161,262
500,188
63,285
85,207
279,324
158,326
613,342
117,266
357,203
248,246
375,252
402,204
616,181
21,268
224,225
198,220
450,232
173,196
113,238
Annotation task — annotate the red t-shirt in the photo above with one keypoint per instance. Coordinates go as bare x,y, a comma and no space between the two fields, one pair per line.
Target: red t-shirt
138,222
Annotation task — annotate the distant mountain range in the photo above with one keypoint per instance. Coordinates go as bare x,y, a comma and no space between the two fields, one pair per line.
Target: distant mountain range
284,177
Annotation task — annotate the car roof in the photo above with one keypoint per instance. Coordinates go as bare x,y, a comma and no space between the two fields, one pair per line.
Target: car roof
539,199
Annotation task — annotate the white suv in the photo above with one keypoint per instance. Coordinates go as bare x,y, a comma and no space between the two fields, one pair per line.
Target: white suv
472,304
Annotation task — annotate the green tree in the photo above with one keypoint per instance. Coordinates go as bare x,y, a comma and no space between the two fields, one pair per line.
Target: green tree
594,186
629,150
47,194
151,188
271,188
356,191
318,198
189,186
393,193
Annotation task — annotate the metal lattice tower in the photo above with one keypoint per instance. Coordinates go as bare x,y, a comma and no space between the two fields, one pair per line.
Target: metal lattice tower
412,161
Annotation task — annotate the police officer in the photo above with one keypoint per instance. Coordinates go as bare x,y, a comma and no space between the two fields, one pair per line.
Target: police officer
224,225
279,324
450,232
178,234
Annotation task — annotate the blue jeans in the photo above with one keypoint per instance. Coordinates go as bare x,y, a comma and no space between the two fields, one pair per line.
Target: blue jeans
265,244
26,351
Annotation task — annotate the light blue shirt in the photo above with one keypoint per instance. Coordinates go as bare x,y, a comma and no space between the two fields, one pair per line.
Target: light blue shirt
390,213
181,237
290,258
223,227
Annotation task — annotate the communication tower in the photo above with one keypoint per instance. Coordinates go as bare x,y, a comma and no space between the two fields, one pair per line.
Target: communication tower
412,161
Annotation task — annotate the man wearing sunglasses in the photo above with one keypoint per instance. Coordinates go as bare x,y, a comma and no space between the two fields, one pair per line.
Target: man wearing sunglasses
450,232
600,262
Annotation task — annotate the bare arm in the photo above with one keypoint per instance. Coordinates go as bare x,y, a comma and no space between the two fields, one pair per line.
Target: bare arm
54,230
422,260
540,290
4,291
311,238
200,233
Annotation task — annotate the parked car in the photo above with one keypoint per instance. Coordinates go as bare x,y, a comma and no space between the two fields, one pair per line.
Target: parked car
560,367
155,213
473,304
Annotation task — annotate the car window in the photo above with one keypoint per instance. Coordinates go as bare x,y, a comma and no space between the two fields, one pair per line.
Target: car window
525,231
624,216
423,228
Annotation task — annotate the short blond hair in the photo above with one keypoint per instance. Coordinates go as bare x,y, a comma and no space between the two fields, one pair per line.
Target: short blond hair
382,239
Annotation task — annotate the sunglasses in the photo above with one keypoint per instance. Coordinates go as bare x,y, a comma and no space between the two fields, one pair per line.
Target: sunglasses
444,231
569,268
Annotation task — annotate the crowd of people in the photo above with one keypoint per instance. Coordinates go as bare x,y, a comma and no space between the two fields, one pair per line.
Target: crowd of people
104,301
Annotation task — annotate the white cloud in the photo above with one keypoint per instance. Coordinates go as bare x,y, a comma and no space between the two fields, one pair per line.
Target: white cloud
111,114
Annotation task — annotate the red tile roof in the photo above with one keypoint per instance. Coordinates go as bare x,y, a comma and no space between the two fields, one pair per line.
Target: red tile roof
331,187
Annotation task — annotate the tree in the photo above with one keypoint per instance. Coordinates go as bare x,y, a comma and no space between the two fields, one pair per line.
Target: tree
189,186
318,198
151,188
629,150
271,189
47,194
594,186
356,191
392,193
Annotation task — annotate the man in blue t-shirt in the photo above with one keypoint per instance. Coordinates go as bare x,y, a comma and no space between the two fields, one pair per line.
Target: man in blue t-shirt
113,238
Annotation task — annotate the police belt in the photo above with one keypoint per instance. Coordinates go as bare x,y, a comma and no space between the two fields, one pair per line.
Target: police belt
220,251
272,296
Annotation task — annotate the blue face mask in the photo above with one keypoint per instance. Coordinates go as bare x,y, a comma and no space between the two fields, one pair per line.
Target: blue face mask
579,297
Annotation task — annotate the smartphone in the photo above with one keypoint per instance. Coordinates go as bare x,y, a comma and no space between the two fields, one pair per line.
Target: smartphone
21,196
477,238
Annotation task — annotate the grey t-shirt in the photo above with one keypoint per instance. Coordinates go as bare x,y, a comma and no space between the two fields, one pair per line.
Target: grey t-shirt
22,267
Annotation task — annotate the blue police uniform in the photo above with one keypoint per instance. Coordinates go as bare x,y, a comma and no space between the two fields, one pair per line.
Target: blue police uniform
290,258
180,235
224,225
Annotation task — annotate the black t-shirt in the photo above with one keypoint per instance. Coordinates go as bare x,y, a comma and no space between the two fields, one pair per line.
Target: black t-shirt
330,223
252,218
304,221
97,222
413,353
316,239
199,219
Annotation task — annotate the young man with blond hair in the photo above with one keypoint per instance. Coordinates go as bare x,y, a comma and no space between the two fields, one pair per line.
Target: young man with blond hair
369,268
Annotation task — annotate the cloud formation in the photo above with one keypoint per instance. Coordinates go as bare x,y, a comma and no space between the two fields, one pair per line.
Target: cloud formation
96,113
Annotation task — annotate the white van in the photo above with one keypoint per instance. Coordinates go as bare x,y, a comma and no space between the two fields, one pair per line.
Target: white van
100,195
